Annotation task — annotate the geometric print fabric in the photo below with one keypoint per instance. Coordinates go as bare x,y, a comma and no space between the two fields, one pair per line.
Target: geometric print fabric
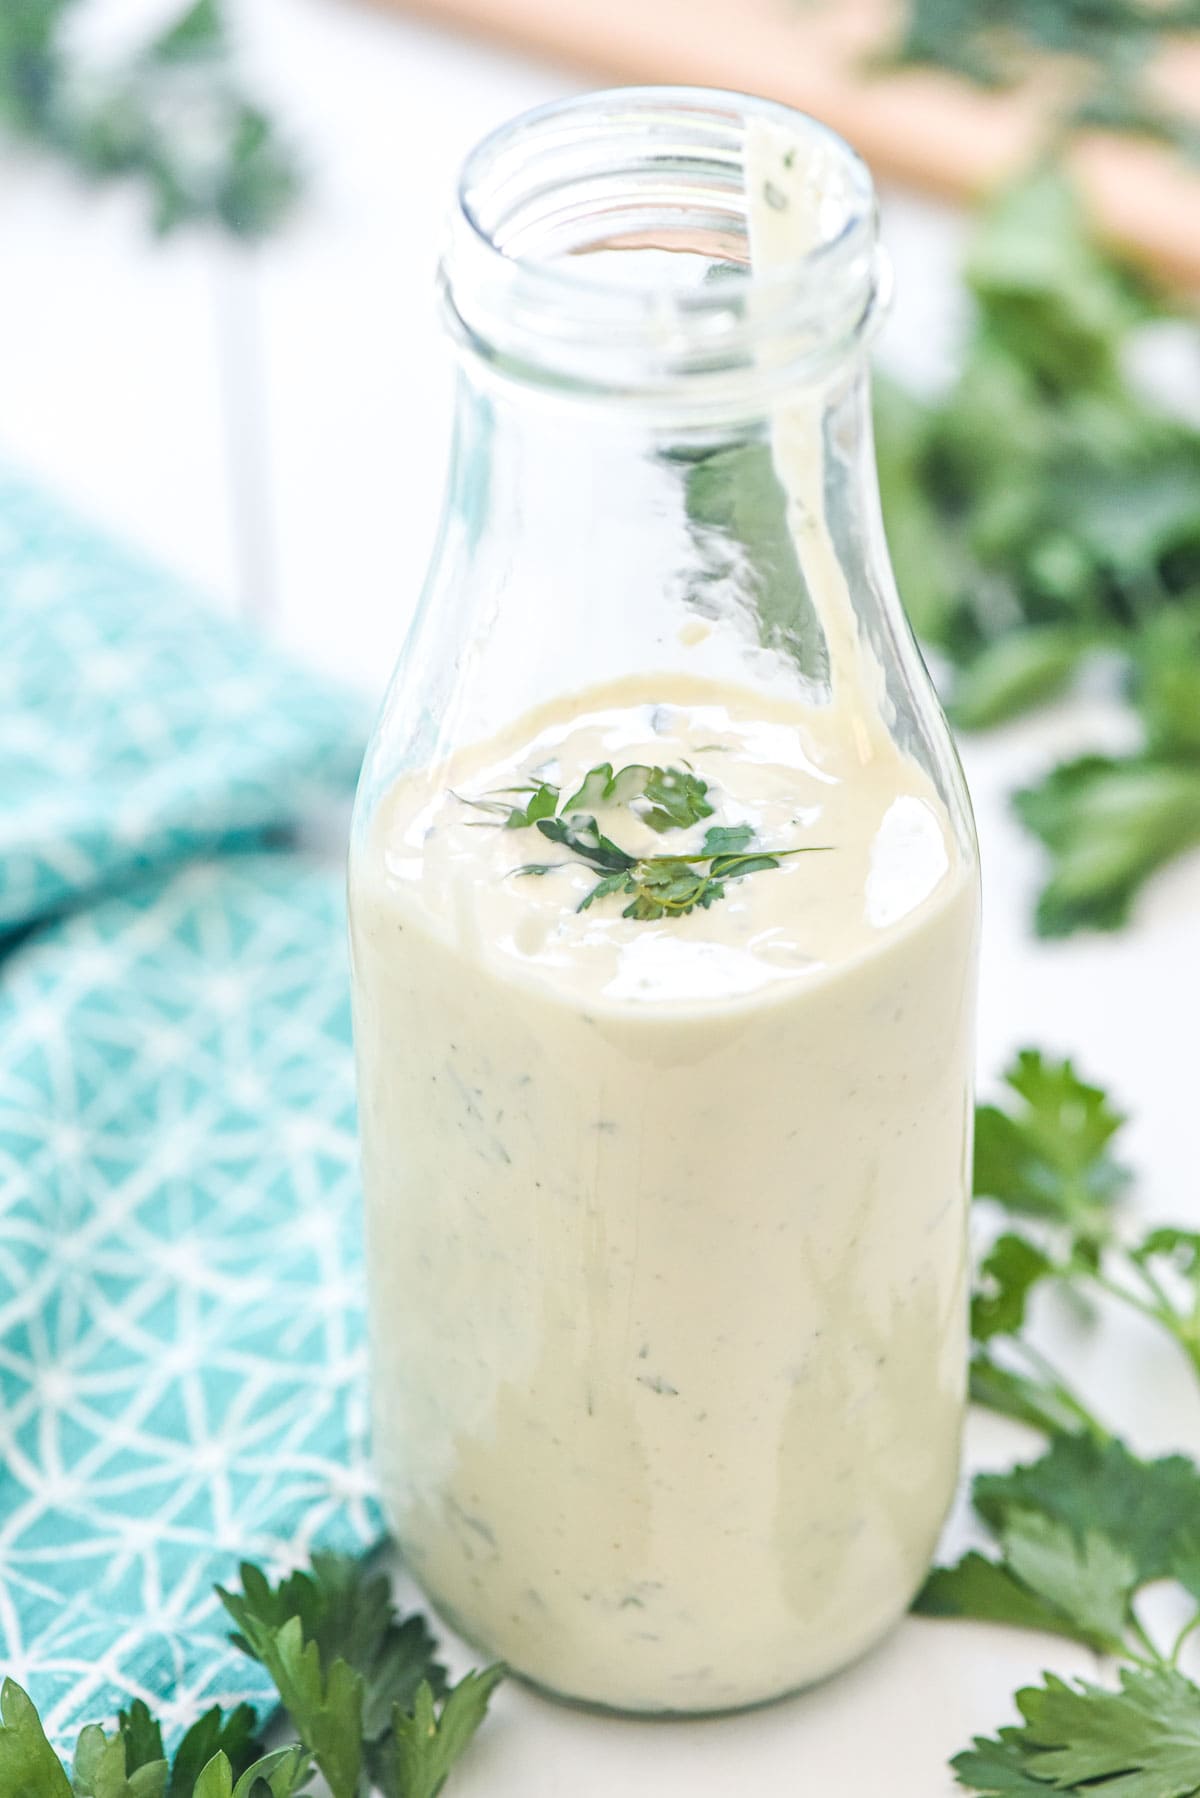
137,726
181,1328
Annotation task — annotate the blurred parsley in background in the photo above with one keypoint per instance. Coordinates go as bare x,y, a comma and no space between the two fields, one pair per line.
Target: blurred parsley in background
172,116
1044,511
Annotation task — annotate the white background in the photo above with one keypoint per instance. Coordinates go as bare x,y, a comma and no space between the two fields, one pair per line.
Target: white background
272,424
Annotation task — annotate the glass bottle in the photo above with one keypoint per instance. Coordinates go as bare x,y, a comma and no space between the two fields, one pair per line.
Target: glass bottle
666,1136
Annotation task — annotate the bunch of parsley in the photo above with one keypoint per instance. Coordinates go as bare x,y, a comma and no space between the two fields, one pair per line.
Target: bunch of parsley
173,116
1044,513
360,1685
1081,1531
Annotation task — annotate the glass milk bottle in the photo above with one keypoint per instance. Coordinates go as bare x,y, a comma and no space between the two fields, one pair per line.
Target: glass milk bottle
664,916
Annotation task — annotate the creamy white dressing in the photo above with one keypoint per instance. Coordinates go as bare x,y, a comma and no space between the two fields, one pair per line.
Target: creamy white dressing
666,1219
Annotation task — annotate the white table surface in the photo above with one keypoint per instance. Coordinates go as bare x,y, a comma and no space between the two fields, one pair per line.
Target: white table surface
272,424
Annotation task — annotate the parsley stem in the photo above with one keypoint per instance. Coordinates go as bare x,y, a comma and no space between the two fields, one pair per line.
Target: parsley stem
1064,1395
1181,1638
1138,1631
1161,1311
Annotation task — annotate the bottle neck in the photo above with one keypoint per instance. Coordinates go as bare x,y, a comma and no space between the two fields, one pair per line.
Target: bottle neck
690,249
606,541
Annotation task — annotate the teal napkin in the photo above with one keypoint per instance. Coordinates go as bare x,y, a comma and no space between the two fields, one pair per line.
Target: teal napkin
137,725
181,1331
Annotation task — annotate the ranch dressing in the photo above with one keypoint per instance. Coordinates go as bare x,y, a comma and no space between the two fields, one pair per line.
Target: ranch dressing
666,1219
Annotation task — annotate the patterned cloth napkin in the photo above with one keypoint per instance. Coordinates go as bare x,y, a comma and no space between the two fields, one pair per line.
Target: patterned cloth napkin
137,726
181,1373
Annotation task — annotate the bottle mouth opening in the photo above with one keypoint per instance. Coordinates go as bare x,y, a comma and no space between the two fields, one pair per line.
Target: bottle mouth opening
608,243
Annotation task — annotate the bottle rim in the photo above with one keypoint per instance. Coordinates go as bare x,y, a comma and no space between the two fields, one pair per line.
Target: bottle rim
654,168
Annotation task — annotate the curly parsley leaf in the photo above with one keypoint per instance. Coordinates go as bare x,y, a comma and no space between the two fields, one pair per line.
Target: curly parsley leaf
1048,1157
1141,1741
426,1745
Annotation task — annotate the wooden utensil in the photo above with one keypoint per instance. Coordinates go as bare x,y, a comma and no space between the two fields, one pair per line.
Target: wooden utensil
920,126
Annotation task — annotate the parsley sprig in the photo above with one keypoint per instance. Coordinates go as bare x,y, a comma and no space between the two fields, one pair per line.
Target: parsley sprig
360,1684
657,886
1078,1533
1044,1165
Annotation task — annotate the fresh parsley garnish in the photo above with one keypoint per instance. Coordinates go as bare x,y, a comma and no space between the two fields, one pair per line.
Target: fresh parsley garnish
676,797
360,1684
657,886
1142,1741
1079,1532
428,1740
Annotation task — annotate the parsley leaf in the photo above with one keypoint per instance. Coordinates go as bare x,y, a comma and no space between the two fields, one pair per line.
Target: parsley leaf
1109,822
1049,1156
428,1743
100,1769
1142,1741
602,787
678,798
340,1655
990,1592
360,1683
586,841
348,1613
142,1735
1149,1510
1046,1579
543,803
29,1767
276,1775
1009,1272
324,1702
231,1734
